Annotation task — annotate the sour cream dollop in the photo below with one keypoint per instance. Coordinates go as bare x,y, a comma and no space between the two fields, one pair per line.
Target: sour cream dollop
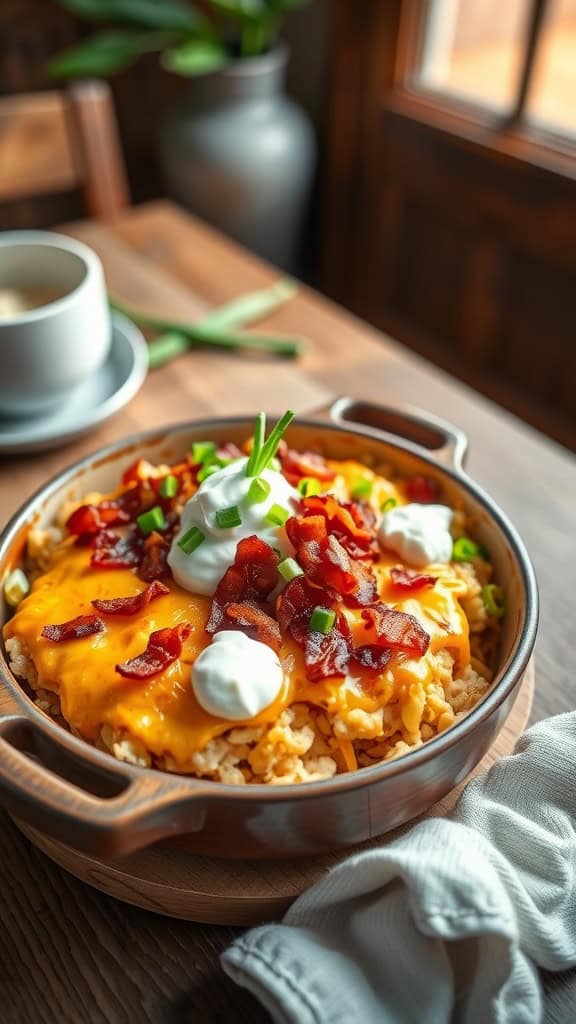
201,571
236,677
420,534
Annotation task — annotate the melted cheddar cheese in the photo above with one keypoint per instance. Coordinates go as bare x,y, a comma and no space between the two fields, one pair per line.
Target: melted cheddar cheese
162,712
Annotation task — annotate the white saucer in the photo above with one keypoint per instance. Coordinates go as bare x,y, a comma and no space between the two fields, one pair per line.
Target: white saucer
107,391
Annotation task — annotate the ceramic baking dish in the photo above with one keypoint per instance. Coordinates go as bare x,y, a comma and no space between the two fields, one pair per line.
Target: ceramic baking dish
85,798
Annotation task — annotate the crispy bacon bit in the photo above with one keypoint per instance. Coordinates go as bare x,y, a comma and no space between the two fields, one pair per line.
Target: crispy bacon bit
131,605
327,564
111,550
362,513
396,630
163,648
352,523
254,622
365,585
249,581
328,654
138,472
354,580
129,501
307,535
92,519
74,629
105,538
154,561
371,656
295,606
114,552
410,581
422,489
325,654
296,465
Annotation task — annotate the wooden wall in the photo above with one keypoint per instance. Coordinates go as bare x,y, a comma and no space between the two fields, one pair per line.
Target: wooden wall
460,249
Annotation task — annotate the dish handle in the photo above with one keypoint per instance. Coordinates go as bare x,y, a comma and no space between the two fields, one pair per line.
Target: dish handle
447,443
136,810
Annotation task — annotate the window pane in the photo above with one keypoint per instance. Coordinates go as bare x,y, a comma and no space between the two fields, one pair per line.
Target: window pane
553,92
474,48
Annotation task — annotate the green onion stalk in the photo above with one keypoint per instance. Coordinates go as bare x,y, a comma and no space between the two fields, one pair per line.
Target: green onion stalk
219,328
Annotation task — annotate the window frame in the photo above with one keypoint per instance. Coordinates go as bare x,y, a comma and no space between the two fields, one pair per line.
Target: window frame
509,134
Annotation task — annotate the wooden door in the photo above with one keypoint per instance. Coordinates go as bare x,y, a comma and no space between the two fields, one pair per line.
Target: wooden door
451,201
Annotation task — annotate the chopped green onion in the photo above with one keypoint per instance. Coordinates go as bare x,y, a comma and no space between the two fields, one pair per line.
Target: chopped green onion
322,620
218,328
277,515
494,601
309,486
289,569
16,586
270,447
207,471
275,464
464,549
152,519
203,452
226,518
388,504
264,451
170,341
191,540
258,491
169,487
362,489
258,441
166,347
251,306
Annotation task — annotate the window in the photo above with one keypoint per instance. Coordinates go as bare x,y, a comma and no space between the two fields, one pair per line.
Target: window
474,50
552,98
506,65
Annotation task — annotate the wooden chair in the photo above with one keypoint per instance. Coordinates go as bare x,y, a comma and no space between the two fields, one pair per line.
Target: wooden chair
54,142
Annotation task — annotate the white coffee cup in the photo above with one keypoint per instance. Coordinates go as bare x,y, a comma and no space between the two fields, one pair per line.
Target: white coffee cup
48,350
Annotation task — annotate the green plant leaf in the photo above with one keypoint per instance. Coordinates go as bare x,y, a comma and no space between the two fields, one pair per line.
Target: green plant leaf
252,11
280,7
195,57
105,53
162,14
255,37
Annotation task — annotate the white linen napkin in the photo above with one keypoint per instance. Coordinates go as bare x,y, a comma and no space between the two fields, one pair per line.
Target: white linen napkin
447,923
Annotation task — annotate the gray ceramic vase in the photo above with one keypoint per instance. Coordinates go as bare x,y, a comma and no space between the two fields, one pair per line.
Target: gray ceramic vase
241,154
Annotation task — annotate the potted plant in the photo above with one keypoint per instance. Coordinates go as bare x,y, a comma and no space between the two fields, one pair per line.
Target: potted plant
238,151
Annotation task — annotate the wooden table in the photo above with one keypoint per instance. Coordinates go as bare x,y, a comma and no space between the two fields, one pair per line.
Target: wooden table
68,953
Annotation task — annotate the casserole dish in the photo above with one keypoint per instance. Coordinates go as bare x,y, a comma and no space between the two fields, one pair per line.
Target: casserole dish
82,796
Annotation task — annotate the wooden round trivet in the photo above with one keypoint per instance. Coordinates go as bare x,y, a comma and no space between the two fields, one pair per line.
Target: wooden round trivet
173,882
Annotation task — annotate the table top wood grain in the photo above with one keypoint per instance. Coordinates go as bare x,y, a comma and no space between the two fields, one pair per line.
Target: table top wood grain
68,953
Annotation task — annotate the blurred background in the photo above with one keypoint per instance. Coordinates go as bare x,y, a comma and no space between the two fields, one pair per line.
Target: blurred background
417,164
